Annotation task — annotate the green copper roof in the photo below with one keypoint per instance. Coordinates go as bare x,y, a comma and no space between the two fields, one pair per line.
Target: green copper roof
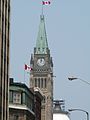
41,44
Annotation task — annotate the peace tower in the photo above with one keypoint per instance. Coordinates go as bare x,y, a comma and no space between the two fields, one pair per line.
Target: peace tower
42,74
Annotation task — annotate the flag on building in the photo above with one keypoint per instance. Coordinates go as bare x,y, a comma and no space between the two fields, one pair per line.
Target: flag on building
26,67
46,2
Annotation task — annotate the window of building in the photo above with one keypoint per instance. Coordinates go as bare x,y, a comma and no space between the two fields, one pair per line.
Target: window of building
35,82
39,82
17,97
45,82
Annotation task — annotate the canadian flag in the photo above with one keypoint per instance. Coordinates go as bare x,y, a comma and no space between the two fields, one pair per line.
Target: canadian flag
46,2
26,67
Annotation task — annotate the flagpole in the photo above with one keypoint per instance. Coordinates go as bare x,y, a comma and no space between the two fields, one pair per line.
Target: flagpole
24,72
42,8
26,67
24,75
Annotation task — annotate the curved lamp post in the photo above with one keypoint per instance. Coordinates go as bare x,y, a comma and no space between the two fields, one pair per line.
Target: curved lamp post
75,78
70,110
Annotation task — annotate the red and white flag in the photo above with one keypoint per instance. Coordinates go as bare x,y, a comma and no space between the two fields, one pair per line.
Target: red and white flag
26,67
46,2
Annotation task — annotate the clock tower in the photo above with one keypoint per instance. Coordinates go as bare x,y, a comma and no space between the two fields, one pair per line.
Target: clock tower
42,74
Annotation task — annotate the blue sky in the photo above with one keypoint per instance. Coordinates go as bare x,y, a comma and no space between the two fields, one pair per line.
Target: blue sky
68,33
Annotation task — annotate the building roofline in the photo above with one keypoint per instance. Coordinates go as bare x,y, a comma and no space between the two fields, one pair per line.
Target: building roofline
20,107
19,84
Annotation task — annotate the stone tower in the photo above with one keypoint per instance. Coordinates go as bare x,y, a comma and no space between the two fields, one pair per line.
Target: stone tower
42,74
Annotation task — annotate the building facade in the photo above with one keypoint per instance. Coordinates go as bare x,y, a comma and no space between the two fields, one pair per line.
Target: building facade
21,102
42,74
38,96
24,103
4,57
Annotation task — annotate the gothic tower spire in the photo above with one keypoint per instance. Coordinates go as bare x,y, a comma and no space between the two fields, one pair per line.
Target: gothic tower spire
41,44
42,74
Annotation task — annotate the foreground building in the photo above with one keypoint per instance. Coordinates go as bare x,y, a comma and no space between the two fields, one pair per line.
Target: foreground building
38,96
24,104
42,74
59,112
4,57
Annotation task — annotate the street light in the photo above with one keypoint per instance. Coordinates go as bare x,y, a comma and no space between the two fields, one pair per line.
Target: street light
75,78
70,110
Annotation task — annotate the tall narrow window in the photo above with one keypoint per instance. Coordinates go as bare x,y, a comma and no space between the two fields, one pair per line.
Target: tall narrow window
35,82
39,82
45,82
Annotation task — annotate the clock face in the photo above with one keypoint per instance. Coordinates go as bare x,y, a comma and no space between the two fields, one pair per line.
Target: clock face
41,61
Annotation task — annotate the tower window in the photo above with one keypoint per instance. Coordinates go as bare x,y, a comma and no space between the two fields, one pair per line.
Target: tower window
35,82
45,82
41,82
